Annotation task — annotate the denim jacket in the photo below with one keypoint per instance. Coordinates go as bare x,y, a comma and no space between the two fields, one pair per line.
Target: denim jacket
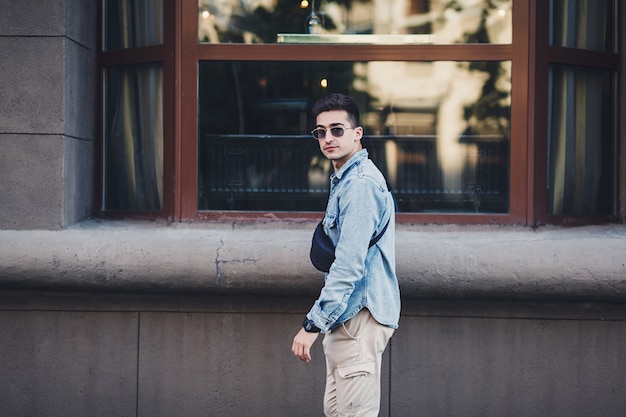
359,206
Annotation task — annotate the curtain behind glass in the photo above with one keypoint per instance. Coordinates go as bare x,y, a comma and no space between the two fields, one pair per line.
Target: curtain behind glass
584,24
581,141
133,23
133,145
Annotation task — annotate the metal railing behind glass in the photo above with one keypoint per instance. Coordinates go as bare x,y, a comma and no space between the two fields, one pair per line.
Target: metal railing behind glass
288,172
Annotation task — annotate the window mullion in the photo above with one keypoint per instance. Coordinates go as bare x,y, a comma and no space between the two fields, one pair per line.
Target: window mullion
272,52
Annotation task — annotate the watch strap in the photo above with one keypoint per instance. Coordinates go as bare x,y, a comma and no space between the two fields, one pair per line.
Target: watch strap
310,327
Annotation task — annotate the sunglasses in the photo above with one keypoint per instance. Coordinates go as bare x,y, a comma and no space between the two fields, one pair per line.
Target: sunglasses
337,131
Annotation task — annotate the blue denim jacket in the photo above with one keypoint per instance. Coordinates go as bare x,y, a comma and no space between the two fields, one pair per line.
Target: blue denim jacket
358,208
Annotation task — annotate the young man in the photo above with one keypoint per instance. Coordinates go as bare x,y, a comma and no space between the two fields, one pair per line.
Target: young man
359,306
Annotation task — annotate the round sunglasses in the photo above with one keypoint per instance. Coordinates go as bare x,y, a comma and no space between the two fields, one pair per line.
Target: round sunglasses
337,131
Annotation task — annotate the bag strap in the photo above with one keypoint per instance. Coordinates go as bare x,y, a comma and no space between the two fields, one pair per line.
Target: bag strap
377,237
382,232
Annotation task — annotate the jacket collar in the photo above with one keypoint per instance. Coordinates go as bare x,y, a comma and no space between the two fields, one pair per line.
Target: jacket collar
355,159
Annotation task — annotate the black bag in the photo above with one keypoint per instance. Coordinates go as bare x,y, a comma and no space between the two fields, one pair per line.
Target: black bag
323,251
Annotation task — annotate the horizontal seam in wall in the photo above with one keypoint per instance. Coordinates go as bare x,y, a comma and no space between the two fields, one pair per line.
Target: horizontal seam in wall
32,36
48,36
46,134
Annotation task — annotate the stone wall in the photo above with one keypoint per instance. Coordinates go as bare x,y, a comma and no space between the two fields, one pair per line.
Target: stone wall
48,108
128,318
101,355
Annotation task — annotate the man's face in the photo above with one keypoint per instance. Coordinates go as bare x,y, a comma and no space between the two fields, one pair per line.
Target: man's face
338,149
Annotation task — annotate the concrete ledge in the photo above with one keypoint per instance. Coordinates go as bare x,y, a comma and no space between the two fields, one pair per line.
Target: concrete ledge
584,263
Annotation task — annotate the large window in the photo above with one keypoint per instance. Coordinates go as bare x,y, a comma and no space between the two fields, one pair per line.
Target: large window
439,131
473,116
433,80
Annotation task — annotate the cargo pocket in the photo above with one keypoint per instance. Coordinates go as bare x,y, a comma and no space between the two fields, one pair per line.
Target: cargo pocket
357,369
357,388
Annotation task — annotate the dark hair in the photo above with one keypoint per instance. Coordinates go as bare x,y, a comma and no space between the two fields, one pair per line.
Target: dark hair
336,101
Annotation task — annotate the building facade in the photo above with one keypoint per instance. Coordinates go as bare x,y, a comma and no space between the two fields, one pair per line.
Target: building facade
136,278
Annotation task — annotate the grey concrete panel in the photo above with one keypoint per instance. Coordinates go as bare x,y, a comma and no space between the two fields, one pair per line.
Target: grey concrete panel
78,182
208,364
31,181
81,90
32,18
68,364
550,262
32,84
81,18
584,263
460,366
230,356
160,258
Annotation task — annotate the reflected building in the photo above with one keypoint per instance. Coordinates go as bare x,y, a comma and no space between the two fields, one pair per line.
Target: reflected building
439,130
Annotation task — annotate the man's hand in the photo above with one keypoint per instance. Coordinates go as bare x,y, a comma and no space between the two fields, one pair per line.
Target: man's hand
302,343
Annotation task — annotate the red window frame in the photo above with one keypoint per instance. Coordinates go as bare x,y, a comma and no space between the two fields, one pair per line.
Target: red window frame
529,53
541,58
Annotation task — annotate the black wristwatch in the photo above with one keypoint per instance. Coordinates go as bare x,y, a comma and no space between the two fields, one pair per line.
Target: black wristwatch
310,327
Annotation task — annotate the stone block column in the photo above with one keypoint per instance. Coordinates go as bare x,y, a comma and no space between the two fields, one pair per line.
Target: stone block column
48,112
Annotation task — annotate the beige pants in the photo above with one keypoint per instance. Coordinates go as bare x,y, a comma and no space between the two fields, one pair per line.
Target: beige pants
353,361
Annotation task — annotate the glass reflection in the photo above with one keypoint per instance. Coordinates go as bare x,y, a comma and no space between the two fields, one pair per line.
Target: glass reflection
438,130
261,21
314,23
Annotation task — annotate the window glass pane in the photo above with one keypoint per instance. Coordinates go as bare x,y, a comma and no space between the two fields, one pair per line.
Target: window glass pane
584,24
133,138
362,21
132,23
438,130
581,141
